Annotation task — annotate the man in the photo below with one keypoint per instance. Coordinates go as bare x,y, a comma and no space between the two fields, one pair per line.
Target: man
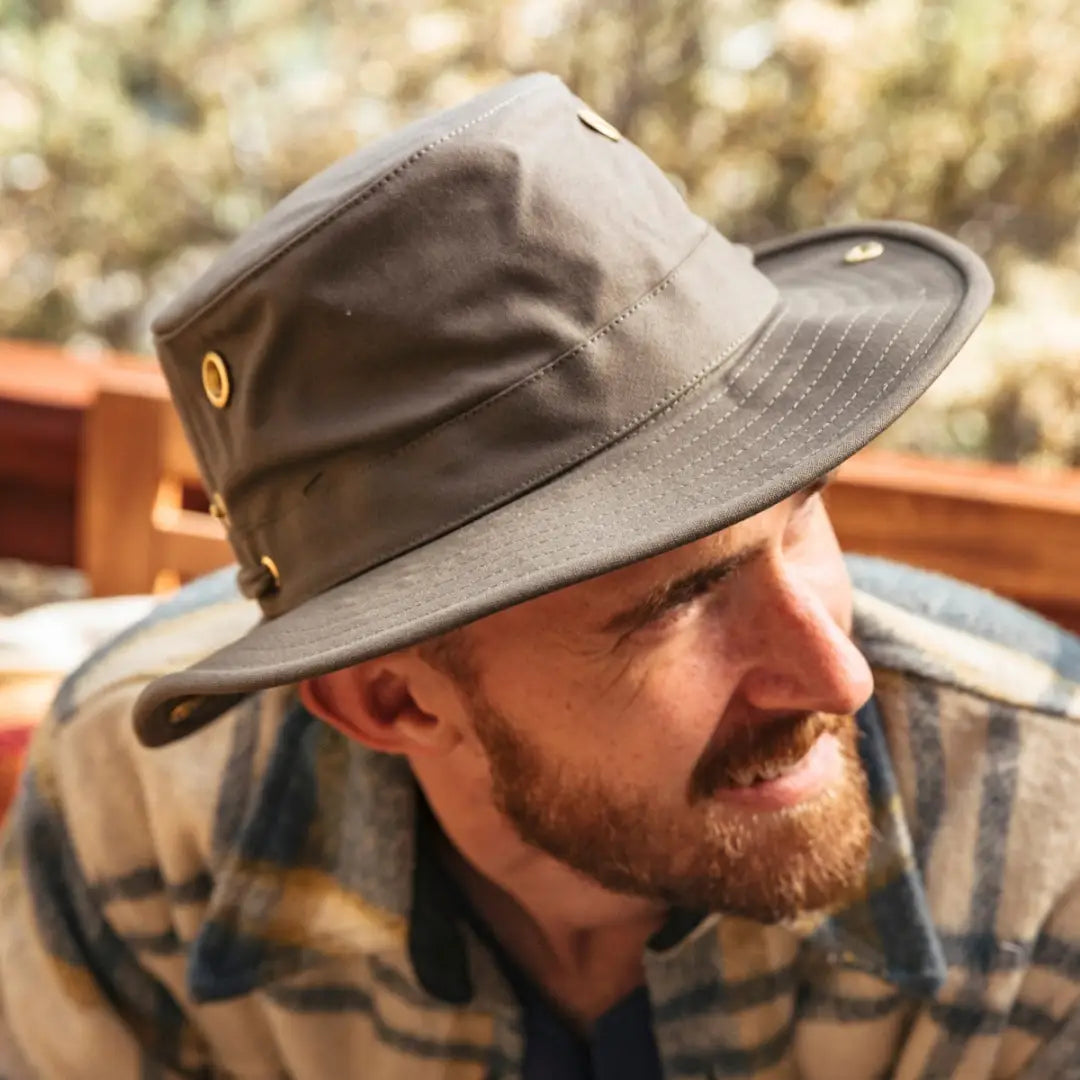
563,746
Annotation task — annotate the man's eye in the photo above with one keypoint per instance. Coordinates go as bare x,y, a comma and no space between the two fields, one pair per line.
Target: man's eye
679,608
661,623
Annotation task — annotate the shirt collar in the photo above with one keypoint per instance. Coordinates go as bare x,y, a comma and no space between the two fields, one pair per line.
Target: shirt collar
889,931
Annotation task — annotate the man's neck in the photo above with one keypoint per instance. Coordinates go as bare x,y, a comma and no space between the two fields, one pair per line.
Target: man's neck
581,944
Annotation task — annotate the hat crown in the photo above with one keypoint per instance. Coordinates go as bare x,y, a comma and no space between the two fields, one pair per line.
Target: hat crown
407,289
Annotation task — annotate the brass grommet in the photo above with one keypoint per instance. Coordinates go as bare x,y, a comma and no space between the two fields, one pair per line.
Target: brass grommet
272,567
218,509
864,252
598,123
182,710
215,379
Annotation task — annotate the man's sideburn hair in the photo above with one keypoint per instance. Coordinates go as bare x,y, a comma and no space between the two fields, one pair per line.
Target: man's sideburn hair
452,655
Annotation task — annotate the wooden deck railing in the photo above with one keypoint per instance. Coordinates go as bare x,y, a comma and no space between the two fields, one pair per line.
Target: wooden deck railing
95,473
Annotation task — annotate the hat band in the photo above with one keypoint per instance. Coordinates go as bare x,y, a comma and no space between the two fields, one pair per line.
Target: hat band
366,510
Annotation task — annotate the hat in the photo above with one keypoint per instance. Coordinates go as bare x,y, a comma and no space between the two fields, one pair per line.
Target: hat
494,354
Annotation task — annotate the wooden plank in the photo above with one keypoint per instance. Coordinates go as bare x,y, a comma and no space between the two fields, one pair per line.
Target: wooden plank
45,375
176,454
119,479
39,451
1054,490
1015,532
192,541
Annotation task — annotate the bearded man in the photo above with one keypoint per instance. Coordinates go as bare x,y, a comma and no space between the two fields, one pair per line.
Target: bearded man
552,736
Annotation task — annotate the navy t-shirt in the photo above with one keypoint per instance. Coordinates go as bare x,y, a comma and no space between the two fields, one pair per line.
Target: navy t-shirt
621,1044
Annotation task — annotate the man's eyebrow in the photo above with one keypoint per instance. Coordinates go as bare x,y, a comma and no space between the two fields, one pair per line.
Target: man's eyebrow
679,591
693,583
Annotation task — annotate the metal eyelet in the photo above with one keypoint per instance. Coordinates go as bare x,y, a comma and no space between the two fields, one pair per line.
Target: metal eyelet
183,710
598,123
218,510
274,572
864,252
215,379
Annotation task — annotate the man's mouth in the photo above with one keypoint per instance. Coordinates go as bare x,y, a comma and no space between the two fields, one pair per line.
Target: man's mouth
784,782
755,774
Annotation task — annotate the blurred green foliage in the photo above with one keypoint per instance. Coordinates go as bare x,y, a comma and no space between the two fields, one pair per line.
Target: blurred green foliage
138,136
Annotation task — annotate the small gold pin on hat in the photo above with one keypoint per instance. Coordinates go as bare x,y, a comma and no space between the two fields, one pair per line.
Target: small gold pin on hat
218,509
215,379
598,123
275,573
183,709
864,252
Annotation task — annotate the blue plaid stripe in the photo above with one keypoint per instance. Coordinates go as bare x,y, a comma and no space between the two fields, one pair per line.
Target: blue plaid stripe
74,931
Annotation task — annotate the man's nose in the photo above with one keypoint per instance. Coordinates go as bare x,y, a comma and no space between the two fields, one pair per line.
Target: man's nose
801,658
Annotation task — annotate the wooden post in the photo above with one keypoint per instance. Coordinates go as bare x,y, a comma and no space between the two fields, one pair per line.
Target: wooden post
120,470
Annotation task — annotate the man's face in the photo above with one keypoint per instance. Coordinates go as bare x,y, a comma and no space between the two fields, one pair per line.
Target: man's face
681,728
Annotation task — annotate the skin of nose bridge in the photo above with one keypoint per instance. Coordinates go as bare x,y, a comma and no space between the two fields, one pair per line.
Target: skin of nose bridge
801,655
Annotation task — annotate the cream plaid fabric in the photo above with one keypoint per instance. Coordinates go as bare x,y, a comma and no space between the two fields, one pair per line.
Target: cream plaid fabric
250,902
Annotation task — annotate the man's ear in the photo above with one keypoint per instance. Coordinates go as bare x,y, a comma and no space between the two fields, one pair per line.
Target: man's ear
392,704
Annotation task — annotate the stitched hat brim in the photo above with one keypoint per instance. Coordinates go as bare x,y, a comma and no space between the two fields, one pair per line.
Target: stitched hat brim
849,348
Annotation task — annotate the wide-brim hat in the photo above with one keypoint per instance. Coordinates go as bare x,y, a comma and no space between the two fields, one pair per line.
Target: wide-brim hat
495,354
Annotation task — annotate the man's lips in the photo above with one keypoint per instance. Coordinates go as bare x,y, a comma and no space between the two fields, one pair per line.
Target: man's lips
774,787
751,750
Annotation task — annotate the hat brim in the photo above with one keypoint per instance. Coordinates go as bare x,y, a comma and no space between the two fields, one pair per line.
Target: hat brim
851,345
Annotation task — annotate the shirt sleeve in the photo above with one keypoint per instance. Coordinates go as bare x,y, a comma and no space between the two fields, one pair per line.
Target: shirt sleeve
75,1001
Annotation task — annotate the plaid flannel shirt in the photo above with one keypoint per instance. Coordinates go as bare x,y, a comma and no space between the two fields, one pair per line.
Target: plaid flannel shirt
248,902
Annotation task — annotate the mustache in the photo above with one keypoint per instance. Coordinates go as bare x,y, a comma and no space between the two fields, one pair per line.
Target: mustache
751,746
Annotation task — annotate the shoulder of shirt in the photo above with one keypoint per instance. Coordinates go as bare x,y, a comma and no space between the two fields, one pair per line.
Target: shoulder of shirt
181,630
927,626
159,824
92,714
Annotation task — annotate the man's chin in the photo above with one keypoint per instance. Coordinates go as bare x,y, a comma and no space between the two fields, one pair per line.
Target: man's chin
816,865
